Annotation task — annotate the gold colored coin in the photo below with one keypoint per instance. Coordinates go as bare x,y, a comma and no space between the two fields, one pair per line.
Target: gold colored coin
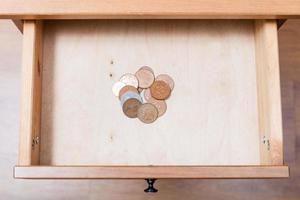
131,107
145,78
160,105
167,79
147,113
117,87
130,79
160,90
126,89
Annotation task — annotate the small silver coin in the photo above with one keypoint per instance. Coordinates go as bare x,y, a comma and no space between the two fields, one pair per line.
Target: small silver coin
130,95
143,96
130,79
117,87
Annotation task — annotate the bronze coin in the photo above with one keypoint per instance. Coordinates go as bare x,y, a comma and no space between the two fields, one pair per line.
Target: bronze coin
125,89
167,79
145,78
130,95
160,105
147,113
160,90
130,107
147,68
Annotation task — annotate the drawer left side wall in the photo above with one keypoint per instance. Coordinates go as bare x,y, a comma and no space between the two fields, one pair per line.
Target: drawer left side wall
30,113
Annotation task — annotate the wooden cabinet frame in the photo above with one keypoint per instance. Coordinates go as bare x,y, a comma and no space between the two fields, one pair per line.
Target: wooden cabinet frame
130,9
270,125
268,81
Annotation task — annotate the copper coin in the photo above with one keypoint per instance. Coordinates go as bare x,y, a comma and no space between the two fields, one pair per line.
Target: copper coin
145,78
130,107
160,105
147,113
147,68
117,87
167,79
130,79
125,89
130,95
160,90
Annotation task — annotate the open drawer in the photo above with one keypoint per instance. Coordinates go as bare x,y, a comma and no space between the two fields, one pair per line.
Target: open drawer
223,120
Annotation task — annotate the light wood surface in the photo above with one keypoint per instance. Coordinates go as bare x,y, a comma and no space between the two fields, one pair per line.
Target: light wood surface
212,114
49,9
138,172
191,189
31,94
268,88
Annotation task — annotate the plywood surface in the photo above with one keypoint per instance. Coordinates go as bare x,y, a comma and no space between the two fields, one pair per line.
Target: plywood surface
78,9
142,172
279,189
212,113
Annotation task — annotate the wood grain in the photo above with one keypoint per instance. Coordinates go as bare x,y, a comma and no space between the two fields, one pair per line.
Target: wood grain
139,172
268,88
212,114
77,9
191,189
31,93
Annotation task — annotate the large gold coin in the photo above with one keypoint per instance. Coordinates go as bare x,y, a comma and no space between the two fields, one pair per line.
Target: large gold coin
167,79
160,105
160,90
147,113
126,89
145,78
130,107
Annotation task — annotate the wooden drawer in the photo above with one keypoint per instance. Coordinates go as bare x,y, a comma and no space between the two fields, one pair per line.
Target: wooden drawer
223,120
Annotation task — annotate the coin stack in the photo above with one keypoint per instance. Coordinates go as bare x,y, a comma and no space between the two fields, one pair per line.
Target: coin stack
143,95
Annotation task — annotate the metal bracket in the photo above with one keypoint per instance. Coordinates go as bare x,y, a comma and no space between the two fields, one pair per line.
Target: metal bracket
266,142
35,141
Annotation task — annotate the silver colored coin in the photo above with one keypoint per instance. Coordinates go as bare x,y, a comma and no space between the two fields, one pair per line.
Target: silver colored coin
143,96
130,79
146,95
130,95
117,87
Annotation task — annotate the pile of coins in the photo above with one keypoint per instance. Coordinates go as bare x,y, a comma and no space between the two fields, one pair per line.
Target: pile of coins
143,95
